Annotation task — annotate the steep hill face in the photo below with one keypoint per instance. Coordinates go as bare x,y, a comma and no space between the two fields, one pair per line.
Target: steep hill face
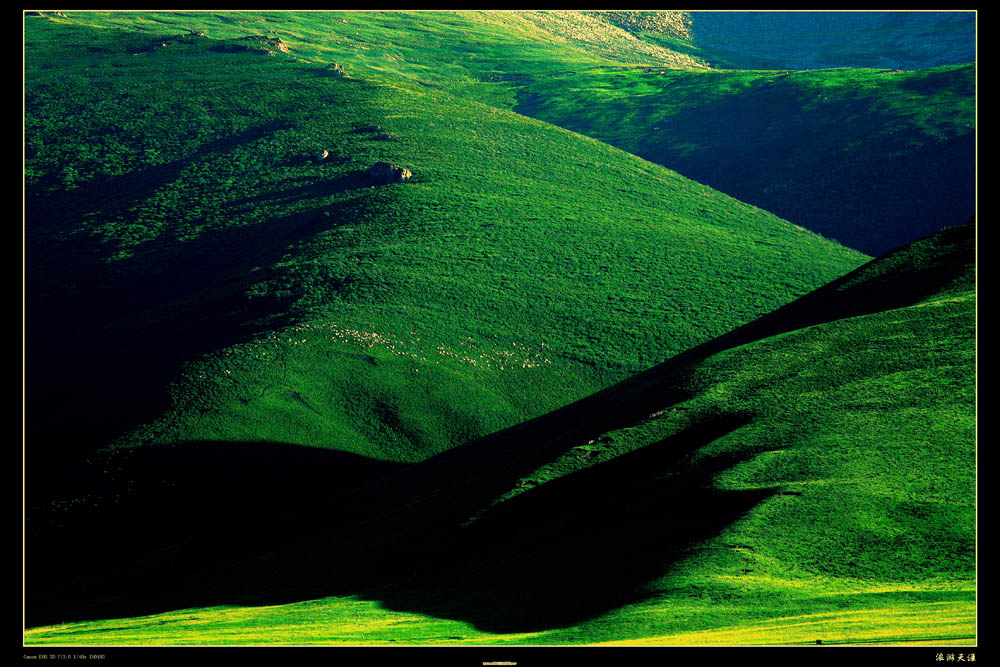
815,465
668,23
181,222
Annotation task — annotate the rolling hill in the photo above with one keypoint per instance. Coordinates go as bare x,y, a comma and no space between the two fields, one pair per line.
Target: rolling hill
179,222
283,397
809,476
876,152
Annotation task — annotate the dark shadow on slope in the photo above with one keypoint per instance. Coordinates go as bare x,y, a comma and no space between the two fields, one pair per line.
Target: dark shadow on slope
353,180
846,168
570,550
578,546
158,505
103,341
870,190
51,213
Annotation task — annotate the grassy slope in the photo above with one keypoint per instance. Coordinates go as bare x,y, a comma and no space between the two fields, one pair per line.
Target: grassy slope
807,477
872,158
475,54
898,164
341,315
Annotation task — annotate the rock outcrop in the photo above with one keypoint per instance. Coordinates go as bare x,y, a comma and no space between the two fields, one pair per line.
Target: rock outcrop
333,69
384,173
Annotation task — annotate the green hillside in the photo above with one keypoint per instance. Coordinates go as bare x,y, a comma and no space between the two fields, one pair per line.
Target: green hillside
175,210
476,54
350,327
871,157
809,477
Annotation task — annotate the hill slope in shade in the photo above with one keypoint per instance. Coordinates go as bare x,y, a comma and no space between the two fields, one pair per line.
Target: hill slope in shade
195,274
803,40
812,467
817,40
872,158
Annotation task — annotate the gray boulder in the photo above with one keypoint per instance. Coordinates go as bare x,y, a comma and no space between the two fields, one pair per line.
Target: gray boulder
384,173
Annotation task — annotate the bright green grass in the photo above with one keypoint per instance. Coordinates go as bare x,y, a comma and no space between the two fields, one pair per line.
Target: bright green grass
468,53
869,420
894,617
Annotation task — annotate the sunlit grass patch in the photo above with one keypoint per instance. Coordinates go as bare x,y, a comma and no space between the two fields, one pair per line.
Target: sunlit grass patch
929,623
